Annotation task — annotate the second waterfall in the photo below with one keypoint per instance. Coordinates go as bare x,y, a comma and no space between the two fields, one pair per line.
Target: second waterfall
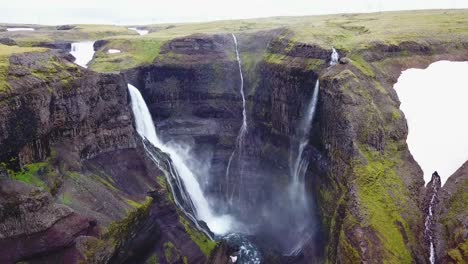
238,150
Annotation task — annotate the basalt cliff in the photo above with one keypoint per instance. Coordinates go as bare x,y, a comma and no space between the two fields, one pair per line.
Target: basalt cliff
77,185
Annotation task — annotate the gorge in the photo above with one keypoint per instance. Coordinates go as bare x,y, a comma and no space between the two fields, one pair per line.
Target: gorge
266,141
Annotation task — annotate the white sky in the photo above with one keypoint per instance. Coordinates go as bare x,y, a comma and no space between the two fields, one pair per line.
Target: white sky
434,103
163,11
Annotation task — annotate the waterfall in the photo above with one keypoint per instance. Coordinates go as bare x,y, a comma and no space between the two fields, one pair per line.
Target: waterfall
299,207
299,162
240,137
140,32
334,57
429,218
83,52
191,199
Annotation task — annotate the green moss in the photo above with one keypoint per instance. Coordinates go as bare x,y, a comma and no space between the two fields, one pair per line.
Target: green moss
133,203
396,115
459,254
205,244
134,52
106,182
380,88
120,231
171,252
274,58
309,64
65,198
153,260
363,66
383,196
5,53
117,233
314,64
92,248
348,251
29,174
458,202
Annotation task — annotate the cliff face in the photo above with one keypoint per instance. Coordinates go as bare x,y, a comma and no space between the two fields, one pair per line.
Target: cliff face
367,192
68,131
382,207
52,100
451,230
193,93
72,164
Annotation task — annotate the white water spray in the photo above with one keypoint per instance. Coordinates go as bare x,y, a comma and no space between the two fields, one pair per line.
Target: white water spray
298,167
83,52
145,127
240,137
140,32
299,163
334,58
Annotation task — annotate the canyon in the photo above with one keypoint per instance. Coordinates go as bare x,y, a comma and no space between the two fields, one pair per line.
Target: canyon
301,142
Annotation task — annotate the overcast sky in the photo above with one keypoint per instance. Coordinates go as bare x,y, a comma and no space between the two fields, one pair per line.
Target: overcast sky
437,139
162,11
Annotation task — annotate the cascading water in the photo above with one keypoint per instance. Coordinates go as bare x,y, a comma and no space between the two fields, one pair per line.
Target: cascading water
192,200
429,218
299,163
334,58
240,137
83,52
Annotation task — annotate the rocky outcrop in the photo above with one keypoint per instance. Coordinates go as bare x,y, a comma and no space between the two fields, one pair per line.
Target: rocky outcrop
52,100
99,44
32,224
68,131
65,27
7,41
155,231
451,216
59,45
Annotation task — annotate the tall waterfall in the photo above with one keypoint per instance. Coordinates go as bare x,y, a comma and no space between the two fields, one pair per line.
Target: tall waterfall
298,164
240,137
83,52
334,57
191,200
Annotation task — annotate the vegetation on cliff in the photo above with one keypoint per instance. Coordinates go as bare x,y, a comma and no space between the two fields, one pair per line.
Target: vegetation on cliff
452,213
369,204
134,52
5,53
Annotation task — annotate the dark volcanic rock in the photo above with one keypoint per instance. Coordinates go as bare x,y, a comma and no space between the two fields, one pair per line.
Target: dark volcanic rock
31,224
56,102
79,124
7,41
65,27
60,45
99,44
451,217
